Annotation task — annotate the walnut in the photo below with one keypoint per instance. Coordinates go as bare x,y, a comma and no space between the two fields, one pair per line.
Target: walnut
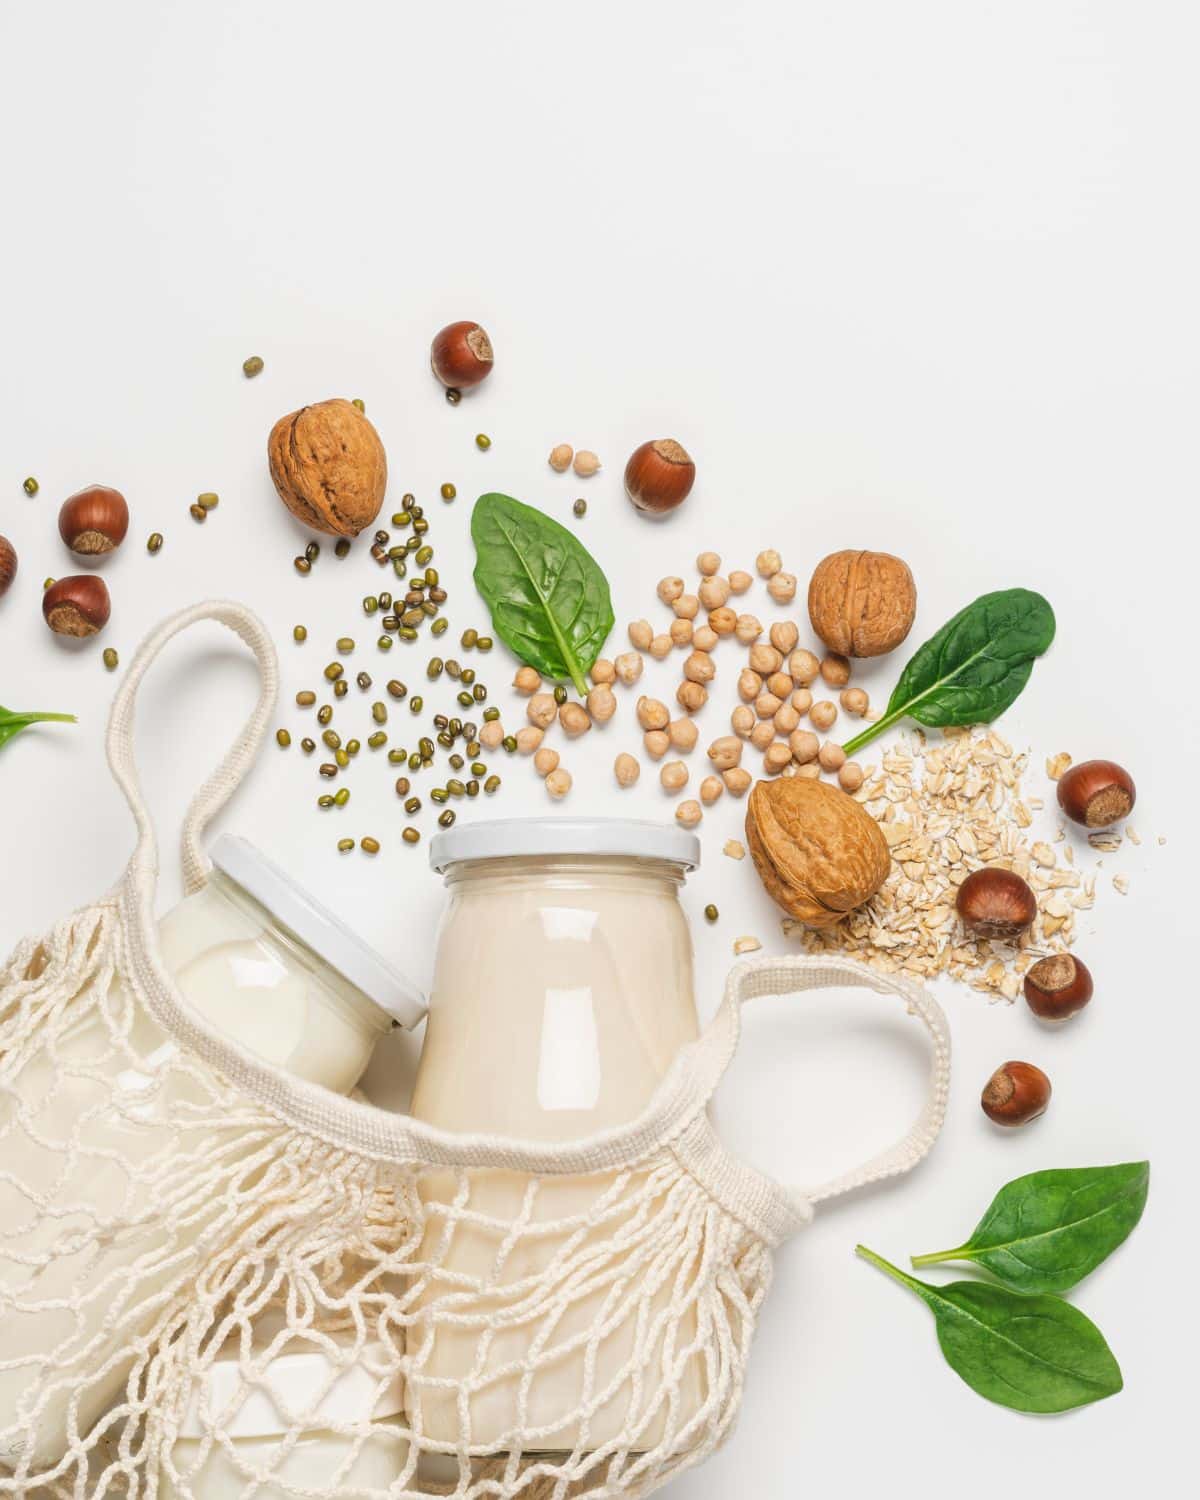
862,603
329,467
818,853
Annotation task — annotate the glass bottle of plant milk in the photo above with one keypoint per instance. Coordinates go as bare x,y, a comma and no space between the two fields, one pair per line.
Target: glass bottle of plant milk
89,1117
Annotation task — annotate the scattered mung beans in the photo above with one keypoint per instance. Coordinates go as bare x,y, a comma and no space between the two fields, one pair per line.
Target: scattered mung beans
154,543
111,660
283,738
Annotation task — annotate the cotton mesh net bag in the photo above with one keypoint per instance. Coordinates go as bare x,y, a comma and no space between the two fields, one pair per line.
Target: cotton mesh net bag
219,1280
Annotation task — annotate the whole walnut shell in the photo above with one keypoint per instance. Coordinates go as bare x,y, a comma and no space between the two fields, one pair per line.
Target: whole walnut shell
329,467
818,853
862,603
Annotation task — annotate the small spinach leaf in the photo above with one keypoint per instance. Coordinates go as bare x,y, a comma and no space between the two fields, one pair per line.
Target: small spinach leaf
11,724
973,668
1032,1353
548,596
1045,1232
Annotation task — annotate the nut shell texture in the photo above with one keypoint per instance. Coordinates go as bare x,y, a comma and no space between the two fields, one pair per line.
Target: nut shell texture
818,854
329,467
862,603
94,521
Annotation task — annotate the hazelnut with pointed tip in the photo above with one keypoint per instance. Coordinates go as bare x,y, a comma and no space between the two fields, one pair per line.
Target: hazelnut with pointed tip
996,903
1016,1093
462,355
659,476
78,606
8,565
1058,987
94,520
1097,793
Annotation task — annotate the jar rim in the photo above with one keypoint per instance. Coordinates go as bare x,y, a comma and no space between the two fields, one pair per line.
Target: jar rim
510,838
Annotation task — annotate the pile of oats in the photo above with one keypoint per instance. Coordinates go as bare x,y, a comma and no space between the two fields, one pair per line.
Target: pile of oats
947,807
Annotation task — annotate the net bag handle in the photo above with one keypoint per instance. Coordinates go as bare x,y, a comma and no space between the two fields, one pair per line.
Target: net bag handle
224,781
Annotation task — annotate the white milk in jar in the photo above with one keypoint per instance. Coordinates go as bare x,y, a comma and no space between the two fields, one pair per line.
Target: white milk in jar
563,990
259,960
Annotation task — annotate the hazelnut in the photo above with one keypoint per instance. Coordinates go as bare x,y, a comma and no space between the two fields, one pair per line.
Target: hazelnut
601,704
8,565
545,761
78,606
737,781
528,680
823,714
725,752
560,457
996,903
707,564
768,563
659,476
558,783
94,520
660,646
673,776
699,667
722,621
862,603
652,714
574,719
586,463
782,587
855,701
1058,987
783,636
541,710
657,743
328,467
626,769
1016,1093
462,355
669,589
851,776
683,734
691,696
710,789
739,581
689,814
640,634
1097,793
835,670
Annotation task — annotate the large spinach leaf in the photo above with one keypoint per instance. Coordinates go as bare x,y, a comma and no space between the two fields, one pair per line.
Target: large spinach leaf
11,724
1045,1232
973,668
1030,1352
549,599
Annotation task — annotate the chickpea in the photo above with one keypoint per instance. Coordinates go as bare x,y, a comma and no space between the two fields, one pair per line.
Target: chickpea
640,634
529,738
657,743
801,701
780,684
699,667
541,710
683,734
835,670
704,637
545,761
804,746
748,629
603,671
628,667
491,734
601,703
749,685
689,814
714,593
558,783
710,789
626,769
782,587
574,720
737,782
803,668
527,681
851,776
687,606
707,564
742,720
762,734
691,696
662,645
681,632
831,756
739,581
673,776
766,705
823,714
652,714
783,635
855,702
669,589
722,621
810,771
776,756
765,659
786,719
725,752
768,563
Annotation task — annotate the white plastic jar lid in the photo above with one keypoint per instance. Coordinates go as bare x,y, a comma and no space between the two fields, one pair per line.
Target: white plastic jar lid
510,838
318,929
293,1381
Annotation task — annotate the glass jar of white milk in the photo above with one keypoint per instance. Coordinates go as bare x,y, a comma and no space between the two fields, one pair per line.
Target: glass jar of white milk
563,989
262,962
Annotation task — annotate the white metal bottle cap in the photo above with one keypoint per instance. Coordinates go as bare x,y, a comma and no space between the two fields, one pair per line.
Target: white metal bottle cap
508,838
317,928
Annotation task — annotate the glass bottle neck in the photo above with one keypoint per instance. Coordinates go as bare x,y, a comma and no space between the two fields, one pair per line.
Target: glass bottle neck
628,873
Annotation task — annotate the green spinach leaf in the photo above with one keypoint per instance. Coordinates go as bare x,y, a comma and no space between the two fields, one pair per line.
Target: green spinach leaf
1045,1232
548,596
1032,1353
11,724
973,668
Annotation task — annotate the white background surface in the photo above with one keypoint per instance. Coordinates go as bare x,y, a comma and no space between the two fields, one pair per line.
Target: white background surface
919,278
